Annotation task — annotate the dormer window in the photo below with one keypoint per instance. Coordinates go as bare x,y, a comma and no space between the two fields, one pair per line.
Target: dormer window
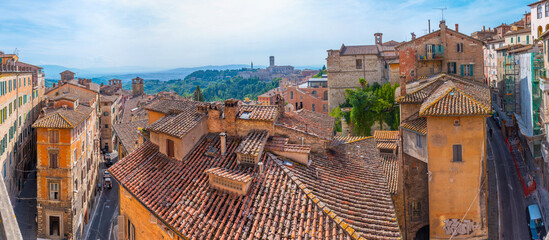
251,148
229,180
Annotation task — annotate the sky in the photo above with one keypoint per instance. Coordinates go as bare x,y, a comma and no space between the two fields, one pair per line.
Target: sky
165,34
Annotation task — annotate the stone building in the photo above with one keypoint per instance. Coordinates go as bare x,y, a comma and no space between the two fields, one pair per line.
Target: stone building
249,172
442,51
443,126
21,95
539,18
311,95
68,161
348,64
137,86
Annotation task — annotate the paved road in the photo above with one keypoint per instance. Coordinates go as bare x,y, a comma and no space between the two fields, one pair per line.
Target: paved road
512,203
104,213
25,209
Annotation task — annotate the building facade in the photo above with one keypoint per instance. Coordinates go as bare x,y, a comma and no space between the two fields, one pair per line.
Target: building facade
348,64
539,18
491,60
21,94
111,110
442,51
312,95
68,161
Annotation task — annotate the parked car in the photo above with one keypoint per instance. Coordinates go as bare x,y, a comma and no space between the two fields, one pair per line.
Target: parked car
106,174
535,222
108,183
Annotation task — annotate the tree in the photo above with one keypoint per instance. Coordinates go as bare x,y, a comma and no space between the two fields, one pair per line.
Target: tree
197,94
369,104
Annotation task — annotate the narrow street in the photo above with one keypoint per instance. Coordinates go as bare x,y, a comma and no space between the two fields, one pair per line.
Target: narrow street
25,208
512,203
105,213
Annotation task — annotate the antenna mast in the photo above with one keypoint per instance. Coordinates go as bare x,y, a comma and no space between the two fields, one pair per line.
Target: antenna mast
442,12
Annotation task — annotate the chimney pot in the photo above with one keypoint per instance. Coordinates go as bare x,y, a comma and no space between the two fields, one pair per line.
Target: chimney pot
223,137
260,165
483,28
457,27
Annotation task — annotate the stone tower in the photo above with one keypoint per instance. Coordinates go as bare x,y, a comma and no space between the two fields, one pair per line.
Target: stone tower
271,61
137,86
379,40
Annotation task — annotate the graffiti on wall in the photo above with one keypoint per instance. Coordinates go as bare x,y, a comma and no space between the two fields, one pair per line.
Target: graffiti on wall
456,227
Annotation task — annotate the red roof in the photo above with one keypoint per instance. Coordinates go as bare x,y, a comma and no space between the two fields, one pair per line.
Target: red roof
345,200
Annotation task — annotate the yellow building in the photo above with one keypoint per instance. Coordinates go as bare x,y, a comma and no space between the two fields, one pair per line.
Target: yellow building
21,93
444,127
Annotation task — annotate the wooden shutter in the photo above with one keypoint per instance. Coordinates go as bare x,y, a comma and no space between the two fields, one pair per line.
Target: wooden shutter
121,227
461,68
470,69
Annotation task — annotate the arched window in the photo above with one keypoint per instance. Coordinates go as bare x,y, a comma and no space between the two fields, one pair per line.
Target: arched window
314,92
539,11
547,26
547,9
540,30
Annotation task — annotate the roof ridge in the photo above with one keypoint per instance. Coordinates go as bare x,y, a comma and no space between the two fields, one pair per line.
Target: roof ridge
423,87
423,109
63,117
347,229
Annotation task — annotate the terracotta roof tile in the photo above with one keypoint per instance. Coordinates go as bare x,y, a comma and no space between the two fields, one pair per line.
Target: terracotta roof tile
281,144
180,121
349,139
168,106
450,100
128,133
309,122
416,124
258,112
390,167
347,201
63,118
386,135
230,174
253,143
387,145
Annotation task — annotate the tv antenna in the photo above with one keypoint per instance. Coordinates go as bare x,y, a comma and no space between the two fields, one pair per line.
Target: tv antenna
442,11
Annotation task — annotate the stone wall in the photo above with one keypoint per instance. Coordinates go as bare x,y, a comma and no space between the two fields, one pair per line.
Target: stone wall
318,145
415,191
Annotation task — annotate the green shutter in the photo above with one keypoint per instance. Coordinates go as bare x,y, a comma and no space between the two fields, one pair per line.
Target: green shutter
461,68
471,70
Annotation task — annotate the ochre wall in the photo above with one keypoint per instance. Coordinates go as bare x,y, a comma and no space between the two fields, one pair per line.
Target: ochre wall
140,217
154,116
453,186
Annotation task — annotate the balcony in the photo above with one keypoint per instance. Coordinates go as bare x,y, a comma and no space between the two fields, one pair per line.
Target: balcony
431,57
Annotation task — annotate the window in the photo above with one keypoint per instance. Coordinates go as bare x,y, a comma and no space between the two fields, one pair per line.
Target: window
131,230
418,141
314,108
325,95
540,30
460,47
106,125
170,148
412,73
457,154
54,136
359,64
539,11
54,159
415,211
314,92
54,191
547,9
324,108
452,67
291,95
467,70
518,39
527,39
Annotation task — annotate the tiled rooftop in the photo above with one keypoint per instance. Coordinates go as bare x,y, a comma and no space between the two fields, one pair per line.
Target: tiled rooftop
387,145
253,143
230,174
134,106
128,133
336,198
281,144
178,124
386,135
447,95
416,124
309,122
63,118
348,139
258,112
390,168
167,106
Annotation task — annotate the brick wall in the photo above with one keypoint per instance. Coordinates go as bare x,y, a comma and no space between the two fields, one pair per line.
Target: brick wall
296,97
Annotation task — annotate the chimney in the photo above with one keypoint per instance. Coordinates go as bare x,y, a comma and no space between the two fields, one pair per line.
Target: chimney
223,137
53,84
483,28
402,85
260,165
413,36
457,27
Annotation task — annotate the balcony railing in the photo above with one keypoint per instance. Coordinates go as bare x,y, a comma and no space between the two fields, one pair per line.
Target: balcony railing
8,68
431,56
